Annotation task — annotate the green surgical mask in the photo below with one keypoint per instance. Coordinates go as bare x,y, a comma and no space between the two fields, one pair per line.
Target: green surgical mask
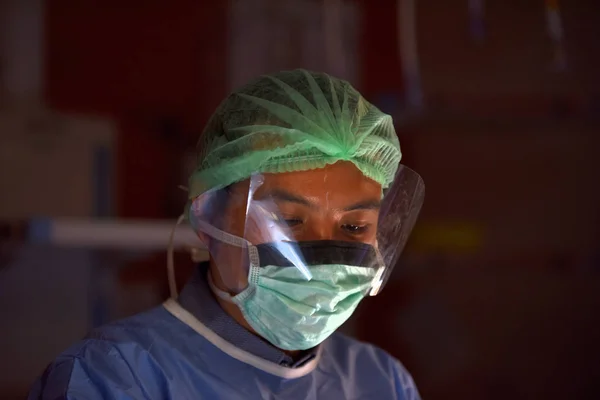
294,313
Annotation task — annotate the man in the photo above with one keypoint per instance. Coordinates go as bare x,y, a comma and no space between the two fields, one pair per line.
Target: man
301,201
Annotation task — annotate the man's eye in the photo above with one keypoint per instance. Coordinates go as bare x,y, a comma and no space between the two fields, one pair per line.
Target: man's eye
293,221
355,229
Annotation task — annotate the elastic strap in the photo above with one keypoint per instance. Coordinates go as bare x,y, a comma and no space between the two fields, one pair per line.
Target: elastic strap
171,260
218,292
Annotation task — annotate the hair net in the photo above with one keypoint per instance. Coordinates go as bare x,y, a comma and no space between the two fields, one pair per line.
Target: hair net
292,121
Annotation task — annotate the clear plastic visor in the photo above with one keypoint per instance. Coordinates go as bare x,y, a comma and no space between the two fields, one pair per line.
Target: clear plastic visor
333,215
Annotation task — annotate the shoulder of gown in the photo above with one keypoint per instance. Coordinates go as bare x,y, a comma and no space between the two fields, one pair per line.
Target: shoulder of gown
131,359
106,363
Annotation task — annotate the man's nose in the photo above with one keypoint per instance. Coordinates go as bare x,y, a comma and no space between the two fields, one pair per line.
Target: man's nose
320,230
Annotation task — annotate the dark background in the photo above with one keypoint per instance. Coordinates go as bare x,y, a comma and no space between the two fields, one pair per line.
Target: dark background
497,293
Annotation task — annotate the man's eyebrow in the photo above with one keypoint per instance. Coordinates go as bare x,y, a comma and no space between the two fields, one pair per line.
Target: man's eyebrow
283,195
364,205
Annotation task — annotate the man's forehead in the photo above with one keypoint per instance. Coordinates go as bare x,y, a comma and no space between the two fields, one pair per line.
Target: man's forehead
336,186
340,184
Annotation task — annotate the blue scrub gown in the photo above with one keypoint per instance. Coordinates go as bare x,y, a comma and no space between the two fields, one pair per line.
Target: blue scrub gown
192,349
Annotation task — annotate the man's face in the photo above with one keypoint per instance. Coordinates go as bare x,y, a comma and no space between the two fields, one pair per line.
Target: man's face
333,203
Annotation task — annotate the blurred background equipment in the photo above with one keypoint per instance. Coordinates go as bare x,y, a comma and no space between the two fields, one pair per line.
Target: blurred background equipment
55,164
406,30
270,35
496,295
555,31
477,20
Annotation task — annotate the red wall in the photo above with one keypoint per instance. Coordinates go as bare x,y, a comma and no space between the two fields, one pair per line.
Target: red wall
380,61
138,64
381,78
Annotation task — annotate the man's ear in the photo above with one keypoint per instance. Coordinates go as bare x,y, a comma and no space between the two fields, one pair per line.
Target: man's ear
199,210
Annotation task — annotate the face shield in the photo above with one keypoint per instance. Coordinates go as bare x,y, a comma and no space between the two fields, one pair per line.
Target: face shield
302,202
309,225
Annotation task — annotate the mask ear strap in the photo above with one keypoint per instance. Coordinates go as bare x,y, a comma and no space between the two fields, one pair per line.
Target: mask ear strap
220,235
218,292
227,238
213,232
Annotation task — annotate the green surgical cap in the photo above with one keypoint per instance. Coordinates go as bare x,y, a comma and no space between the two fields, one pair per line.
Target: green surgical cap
294,121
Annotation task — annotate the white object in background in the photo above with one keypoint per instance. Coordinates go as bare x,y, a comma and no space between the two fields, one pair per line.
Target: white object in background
111,234
406,28
21,51
49,165
272,35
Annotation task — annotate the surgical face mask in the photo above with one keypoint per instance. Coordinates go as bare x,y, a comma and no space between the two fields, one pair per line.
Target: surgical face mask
296,313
